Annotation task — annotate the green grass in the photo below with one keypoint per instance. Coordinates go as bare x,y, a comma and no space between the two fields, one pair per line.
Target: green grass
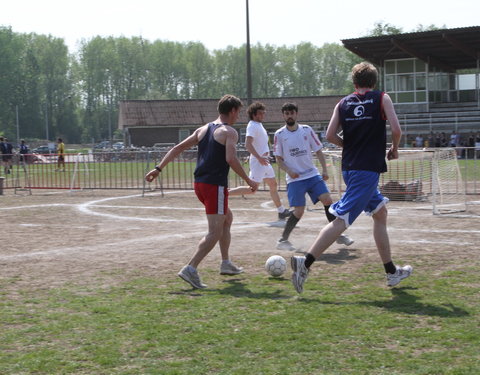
252,324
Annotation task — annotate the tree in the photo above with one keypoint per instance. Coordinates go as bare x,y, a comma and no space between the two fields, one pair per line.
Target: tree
381,28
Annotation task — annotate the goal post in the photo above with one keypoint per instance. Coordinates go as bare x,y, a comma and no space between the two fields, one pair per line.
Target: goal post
430,176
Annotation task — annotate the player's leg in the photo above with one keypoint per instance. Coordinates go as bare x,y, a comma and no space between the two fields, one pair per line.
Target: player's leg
215,199
296,198
395,274
227,267
283,212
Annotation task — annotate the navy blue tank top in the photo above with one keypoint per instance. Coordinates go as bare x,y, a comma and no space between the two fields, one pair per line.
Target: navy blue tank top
364,132
212,167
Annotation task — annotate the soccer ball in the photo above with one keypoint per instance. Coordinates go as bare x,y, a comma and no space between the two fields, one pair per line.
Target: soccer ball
276,265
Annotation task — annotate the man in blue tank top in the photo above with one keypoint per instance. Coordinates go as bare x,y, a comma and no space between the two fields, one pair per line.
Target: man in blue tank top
362,117
216,154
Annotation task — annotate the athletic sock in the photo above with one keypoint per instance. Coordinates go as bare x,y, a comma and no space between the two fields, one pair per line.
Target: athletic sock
291,223
330,216
390,267
309,259
280,209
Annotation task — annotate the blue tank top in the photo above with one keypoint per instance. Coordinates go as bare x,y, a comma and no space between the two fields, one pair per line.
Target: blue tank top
364,132
212,167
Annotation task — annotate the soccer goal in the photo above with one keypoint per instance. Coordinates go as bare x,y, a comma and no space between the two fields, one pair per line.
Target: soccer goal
431,176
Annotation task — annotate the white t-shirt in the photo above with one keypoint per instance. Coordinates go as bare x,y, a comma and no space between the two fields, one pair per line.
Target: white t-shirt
296,150
260,137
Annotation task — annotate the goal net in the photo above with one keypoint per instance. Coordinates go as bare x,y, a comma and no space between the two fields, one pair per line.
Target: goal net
430,176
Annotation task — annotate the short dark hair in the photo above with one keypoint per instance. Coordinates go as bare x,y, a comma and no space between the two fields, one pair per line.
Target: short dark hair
289,106
364,75
253,108
60,140
227,103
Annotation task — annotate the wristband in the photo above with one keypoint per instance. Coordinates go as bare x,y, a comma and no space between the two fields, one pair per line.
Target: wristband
158,168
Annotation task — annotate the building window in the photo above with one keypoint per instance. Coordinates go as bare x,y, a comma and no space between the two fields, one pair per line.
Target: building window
183,134
405,80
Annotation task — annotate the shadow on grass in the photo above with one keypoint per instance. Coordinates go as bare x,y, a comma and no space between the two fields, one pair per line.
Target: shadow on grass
402,301
237,288
340,257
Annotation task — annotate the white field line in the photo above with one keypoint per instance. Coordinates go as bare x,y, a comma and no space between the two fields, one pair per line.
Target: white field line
87,207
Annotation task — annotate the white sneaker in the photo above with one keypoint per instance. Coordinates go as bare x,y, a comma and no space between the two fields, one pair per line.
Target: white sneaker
344,240
190,275
230,269
401,273
285,245
300,272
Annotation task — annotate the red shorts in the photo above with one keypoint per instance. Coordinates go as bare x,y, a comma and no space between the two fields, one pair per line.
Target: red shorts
213,197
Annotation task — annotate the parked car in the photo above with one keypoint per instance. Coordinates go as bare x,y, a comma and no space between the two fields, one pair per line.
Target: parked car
118,146
102,145
45,150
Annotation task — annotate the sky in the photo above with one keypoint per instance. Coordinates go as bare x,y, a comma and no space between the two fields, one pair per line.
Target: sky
222,23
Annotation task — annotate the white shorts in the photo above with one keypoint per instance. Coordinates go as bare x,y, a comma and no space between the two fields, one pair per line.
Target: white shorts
258,171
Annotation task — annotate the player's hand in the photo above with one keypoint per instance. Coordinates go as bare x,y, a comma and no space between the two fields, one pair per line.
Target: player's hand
253,185
325,176
152,175
293,174
392,154
264,160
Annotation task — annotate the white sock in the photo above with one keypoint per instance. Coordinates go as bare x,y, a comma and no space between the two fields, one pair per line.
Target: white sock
280,209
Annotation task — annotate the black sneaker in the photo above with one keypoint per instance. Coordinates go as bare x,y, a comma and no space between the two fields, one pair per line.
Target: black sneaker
285,214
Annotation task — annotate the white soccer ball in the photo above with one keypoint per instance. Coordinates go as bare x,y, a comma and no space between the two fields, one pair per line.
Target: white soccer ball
276,265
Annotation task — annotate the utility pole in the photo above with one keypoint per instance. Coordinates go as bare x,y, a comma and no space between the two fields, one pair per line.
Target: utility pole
249,62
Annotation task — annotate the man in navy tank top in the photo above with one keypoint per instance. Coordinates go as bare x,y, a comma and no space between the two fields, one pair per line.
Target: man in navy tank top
216,154
362,117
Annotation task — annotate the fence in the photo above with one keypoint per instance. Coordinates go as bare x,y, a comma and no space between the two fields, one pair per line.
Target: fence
126,170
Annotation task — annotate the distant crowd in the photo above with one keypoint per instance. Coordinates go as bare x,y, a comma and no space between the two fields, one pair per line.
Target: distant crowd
466,145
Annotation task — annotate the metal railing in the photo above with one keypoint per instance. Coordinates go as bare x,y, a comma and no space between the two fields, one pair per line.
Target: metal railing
126,170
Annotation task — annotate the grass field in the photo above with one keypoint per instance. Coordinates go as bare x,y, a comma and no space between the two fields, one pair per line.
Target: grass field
95,291
343,324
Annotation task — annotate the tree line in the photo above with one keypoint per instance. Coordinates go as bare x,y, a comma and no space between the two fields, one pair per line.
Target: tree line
48,92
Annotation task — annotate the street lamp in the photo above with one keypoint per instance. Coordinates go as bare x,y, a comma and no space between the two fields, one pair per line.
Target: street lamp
46,121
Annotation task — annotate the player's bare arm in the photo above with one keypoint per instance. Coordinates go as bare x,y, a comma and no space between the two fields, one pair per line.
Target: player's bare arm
395,128
187,143
284,167
321,159
334,128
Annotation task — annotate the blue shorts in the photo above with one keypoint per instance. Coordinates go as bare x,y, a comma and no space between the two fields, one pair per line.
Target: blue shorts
314,186
362,194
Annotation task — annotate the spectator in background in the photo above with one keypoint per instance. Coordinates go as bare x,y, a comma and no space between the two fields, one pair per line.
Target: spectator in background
419,141
430,142
471,145
477,145
23,151
443,140
61,155
6,149
438,140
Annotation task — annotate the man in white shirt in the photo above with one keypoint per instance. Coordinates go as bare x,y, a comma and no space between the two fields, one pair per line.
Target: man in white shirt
293,147
256,144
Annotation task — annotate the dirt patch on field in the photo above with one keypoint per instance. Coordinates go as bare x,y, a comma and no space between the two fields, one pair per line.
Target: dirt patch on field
104,238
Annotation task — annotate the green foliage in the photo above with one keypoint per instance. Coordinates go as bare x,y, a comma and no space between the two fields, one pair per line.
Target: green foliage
76,96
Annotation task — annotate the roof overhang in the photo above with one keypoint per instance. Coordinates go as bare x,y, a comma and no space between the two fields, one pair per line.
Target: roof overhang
448,50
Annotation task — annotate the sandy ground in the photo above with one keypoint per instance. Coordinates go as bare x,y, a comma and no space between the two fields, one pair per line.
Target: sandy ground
105,237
